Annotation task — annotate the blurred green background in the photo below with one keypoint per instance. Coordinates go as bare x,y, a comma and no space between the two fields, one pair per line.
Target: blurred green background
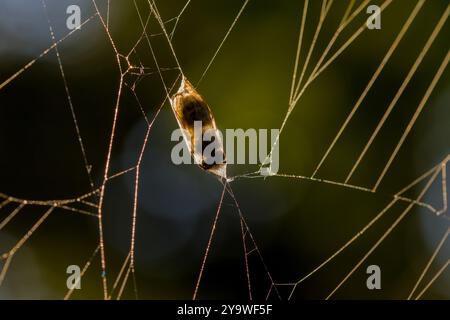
296,223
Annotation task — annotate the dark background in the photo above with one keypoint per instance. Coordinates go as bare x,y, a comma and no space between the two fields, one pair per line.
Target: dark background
296,223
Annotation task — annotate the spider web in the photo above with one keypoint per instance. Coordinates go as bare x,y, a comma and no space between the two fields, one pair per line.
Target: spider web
151,54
